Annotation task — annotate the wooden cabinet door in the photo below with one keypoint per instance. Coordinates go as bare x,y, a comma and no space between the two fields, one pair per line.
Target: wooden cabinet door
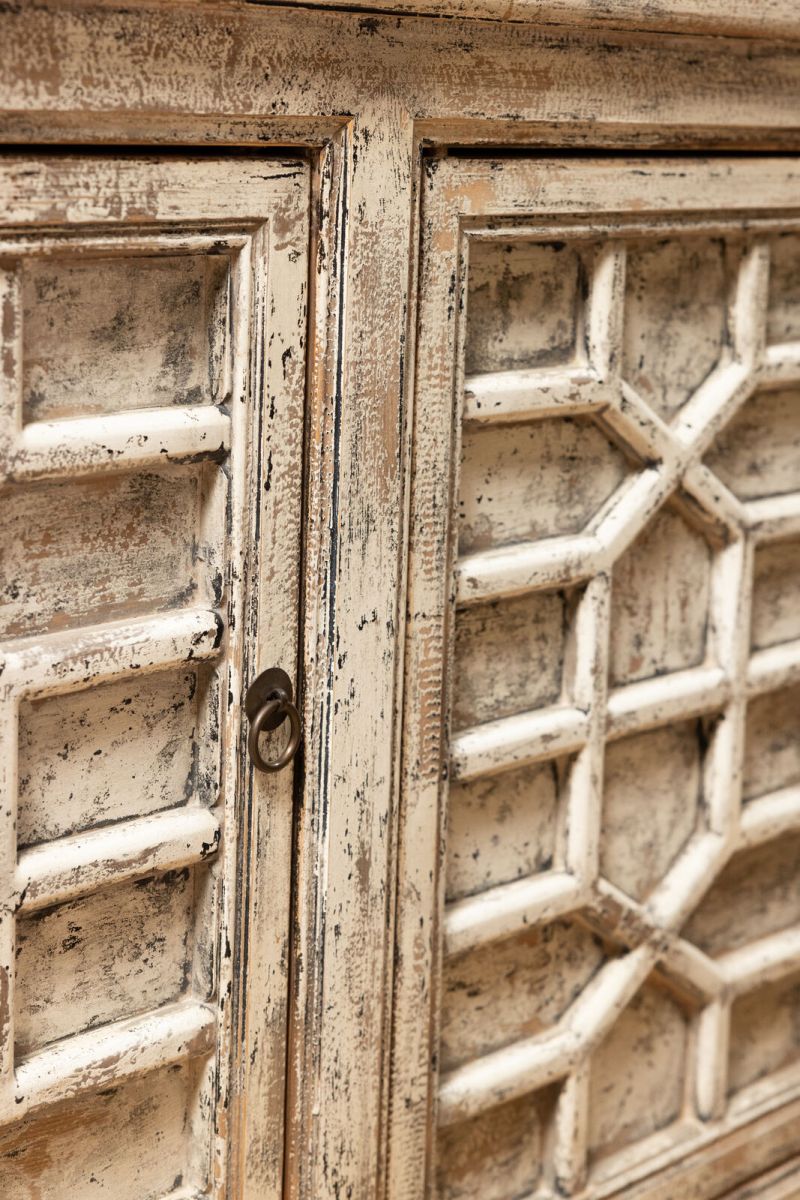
153,325
598,978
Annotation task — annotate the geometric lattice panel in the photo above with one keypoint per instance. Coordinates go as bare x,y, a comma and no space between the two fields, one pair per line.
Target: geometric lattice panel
624,760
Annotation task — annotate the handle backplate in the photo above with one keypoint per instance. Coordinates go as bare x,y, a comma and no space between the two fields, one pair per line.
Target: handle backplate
267,704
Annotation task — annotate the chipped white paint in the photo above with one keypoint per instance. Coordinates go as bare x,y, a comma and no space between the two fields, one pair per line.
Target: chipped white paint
692,759
152,414
363,92
775,18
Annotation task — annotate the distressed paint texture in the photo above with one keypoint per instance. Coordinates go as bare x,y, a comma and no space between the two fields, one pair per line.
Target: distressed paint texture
113,335
614,937
74,748
38,1157
364,92
776,18
152,421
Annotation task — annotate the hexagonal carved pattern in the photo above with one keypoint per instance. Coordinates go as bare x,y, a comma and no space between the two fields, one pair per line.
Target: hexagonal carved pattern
625,754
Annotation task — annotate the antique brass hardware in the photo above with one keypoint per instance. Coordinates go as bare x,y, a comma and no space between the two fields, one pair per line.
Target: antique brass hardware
268,703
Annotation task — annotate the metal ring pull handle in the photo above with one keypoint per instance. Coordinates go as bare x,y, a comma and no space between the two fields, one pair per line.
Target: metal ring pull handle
268,704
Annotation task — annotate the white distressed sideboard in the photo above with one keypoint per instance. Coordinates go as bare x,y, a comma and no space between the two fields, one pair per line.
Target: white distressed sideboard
408,390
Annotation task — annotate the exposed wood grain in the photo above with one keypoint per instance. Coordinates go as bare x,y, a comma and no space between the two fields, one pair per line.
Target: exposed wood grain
237,74
40,1154
735,1150
660,818
777,18
121,578
95,58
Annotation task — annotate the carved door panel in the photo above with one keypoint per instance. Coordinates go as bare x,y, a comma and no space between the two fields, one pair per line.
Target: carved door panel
599,906
152,408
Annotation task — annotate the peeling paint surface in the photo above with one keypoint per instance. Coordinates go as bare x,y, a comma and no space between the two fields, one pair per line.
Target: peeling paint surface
372,100
151,432
605,930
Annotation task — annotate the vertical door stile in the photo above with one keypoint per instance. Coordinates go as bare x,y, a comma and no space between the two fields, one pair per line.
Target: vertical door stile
10,321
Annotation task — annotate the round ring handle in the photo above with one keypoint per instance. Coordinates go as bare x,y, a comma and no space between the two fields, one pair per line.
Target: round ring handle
269,716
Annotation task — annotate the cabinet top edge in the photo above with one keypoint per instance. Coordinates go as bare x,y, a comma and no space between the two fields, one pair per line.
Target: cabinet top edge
775,19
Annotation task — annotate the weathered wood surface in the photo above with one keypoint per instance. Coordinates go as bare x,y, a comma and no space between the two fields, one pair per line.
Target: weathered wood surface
624,959
143,955
362,91
752,18
296,78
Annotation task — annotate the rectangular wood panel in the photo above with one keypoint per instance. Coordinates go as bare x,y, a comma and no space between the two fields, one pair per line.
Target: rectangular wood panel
599,822
153,380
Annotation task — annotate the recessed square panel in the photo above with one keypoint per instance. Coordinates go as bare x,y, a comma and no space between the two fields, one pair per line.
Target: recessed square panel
756,894
758,453
537,480
75,1149
509,656
772,743
524,305
504,991
103,957
661,588
505,827
499,1154
74,749
783,311
776,594
108,334
638,1073
765,1031
98,549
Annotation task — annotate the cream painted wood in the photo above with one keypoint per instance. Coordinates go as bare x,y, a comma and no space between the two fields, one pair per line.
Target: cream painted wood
597,905
366,94
750,18
154,331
